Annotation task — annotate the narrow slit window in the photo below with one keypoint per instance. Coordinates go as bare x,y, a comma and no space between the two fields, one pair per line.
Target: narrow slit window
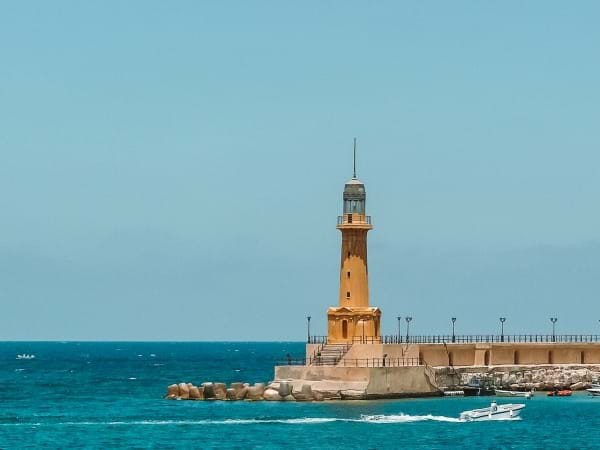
348,274
347,294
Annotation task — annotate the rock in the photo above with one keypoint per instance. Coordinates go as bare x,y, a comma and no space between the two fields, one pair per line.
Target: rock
184,391
209,390
237,391
305,394
577,386
273,385
317,396
196,393
289,398
285,388
173,391
256,392
352,394
519,376
220,391
328,395
231,394
271,395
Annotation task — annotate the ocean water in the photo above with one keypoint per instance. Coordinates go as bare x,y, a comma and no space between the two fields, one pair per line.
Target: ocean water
109,394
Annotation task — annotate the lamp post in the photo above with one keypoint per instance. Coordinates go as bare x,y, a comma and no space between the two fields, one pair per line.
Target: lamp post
553,320
453,335
408,319
308,328
399,318
502,320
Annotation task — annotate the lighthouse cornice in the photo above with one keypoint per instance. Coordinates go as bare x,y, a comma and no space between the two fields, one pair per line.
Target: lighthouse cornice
354,226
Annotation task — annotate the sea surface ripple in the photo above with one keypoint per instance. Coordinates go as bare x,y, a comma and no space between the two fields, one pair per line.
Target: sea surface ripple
109,395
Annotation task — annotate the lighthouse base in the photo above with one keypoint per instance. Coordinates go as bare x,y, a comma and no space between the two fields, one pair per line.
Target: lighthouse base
353,325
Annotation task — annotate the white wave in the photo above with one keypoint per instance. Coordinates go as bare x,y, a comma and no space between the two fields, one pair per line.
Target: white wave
406,418
378,419
132,378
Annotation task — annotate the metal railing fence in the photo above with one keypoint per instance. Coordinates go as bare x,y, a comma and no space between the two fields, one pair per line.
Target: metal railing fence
355,362
467,339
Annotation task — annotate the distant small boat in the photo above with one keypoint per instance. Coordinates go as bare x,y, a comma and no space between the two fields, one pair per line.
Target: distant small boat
454,393
563,393
25,356
494,412
594,391
478,386
502,393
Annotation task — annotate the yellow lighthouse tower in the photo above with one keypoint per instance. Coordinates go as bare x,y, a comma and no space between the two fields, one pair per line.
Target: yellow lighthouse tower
353,320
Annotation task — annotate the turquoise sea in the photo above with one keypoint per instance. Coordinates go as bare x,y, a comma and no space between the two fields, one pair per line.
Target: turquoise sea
109,394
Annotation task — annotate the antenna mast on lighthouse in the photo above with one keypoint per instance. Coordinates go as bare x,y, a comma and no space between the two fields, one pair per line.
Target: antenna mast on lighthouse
354,158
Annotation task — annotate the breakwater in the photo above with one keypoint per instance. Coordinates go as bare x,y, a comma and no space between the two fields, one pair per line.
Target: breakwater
306,383
274,391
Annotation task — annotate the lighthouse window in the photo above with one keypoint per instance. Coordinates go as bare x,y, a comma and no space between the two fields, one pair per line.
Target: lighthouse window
347,294
348,274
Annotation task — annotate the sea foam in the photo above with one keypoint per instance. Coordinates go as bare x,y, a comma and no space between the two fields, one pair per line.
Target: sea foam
374,419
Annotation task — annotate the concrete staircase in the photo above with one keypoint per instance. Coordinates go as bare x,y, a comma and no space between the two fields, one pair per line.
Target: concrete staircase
330,354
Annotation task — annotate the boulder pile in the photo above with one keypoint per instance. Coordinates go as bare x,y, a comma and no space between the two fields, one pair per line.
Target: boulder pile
546,377
274,391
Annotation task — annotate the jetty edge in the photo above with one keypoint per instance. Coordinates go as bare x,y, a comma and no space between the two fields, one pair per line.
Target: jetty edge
306,384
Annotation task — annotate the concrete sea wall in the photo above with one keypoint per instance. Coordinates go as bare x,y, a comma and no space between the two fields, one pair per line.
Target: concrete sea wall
360,382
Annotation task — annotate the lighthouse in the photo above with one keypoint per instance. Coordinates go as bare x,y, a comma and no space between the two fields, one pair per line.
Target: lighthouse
353,320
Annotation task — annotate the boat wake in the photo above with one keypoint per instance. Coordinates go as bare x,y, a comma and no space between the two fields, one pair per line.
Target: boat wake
373,419
406,418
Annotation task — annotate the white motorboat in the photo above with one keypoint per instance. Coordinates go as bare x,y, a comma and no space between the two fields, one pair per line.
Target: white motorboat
494,412
25,356
595,391
454,393
526,394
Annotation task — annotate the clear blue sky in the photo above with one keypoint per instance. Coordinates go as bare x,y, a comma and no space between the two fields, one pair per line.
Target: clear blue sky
173,170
